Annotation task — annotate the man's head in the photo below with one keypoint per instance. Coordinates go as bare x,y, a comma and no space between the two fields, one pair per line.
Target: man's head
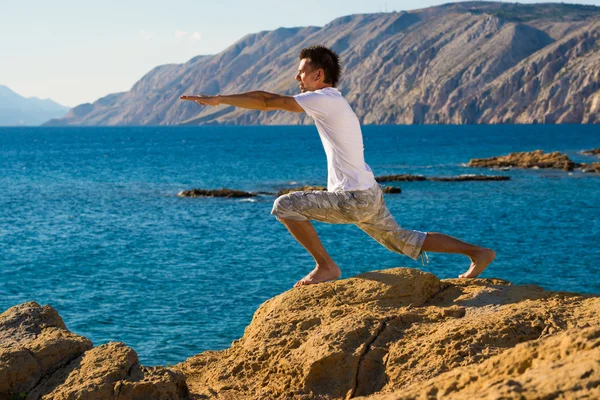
319,67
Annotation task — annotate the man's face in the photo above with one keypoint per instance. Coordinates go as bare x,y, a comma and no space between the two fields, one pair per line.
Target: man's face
307,77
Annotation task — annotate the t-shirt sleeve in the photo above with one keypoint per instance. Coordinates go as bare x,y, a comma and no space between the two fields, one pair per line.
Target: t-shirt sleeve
315,104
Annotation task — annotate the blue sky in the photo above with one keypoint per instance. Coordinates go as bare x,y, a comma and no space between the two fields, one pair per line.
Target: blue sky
75,51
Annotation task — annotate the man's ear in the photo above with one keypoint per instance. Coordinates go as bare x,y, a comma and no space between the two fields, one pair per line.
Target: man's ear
321,75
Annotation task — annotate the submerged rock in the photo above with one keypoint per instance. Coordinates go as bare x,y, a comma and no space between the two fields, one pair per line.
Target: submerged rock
527,159
224,192
41,359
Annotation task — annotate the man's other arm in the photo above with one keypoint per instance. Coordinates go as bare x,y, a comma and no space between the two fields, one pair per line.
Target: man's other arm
257,100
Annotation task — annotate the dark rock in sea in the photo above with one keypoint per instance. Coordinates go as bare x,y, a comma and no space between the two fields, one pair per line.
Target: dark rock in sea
464,177
593,167
41,359
527,159
224,192
471,177
391,189
300,189
592,152
401,177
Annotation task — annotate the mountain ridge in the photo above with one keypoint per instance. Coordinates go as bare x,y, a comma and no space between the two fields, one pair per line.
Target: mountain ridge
457,63
17,110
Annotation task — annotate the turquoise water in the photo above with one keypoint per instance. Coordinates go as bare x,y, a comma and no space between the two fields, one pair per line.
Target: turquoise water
90,222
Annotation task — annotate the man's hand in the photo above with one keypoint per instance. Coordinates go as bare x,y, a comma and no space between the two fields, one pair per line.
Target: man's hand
203,100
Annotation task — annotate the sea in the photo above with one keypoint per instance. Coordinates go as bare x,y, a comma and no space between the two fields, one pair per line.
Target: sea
91,224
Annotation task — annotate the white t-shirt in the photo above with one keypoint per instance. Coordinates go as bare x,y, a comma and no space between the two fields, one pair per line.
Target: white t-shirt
341,136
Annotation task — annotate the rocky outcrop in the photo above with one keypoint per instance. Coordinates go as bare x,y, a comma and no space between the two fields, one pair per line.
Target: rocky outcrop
460,178
223,192
470,177
400,178
300,189
592,152
531,159
41,359
592,167
462,63
561,366
393,332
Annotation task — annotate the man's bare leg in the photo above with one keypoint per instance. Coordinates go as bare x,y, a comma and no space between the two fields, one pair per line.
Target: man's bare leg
480,257
306,235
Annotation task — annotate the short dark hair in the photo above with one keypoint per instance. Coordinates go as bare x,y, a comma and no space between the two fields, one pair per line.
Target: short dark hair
322,57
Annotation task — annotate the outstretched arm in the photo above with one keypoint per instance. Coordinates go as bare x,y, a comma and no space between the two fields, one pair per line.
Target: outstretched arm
257,100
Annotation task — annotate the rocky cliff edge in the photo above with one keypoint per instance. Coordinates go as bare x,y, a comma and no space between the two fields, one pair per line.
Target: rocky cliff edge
391,334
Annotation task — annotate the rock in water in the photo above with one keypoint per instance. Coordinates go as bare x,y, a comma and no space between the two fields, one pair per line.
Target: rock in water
391,189
400,177
592,167
300,189
592,152
527,159
470,177
223,192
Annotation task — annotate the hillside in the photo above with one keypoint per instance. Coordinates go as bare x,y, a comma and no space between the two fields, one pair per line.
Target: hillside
462,63
16,110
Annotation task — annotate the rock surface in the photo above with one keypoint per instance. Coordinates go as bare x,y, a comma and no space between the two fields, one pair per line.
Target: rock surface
397,331
41,359
592,167
592,152
462,63
393,334
400,178
300,189
527,159
460,178
564,366
223,192
471,177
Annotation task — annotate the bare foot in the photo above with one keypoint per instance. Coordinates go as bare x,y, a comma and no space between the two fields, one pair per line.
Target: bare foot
320,274
479,262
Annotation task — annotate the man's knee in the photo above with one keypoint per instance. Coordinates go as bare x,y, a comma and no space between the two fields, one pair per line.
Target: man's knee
283,208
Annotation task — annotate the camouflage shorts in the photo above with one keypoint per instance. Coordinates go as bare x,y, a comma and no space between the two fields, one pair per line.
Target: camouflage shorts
364,208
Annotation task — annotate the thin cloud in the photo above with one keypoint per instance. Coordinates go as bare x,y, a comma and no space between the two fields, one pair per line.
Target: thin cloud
179,34
196,36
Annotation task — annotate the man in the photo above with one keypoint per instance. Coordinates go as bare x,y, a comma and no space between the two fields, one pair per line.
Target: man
353,195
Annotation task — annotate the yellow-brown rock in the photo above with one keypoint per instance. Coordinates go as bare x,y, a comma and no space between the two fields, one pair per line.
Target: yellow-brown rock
300,189
592,152
40,359
34,342
527,159
562,366
382,332
393,334
591,167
